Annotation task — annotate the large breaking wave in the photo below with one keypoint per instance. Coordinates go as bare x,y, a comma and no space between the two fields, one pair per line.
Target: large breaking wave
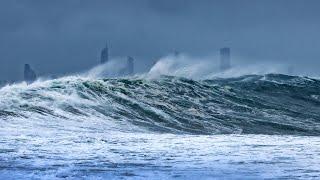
251,104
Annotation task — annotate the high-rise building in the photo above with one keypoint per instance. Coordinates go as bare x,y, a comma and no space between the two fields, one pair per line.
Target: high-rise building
225,59
29,75
104,55
130,65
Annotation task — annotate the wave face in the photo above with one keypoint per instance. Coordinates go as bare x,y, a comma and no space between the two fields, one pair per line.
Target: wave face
252,104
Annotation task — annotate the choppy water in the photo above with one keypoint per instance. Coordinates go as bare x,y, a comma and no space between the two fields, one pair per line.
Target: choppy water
257,126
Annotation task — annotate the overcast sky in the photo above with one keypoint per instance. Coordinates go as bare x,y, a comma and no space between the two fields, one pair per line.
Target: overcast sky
64,36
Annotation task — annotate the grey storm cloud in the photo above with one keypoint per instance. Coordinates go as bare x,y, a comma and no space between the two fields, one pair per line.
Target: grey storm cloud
58,37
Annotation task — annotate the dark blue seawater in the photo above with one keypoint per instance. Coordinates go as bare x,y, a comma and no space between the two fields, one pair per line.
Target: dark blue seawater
249,127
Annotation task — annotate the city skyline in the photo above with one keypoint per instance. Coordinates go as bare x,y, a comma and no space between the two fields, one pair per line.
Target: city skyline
66,37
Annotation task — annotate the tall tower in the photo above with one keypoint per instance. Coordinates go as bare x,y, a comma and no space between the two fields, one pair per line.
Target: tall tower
130,65
104,55
29,75
225,59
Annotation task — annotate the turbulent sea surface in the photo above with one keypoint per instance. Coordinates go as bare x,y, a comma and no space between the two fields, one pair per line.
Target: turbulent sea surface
252,127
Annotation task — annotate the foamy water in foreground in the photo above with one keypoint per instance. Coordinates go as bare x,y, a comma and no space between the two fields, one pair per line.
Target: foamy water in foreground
100,155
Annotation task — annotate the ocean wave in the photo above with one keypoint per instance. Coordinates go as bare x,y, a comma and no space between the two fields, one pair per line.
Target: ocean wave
252,104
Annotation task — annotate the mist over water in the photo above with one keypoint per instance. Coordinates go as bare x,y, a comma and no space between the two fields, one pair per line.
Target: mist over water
183,65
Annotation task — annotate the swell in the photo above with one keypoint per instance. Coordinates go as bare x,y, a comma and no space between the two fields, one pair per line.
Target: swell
255,104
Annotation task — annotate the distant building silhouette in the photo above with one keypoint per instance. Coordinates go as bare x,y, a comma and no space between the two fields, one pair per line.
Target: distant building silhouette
128,69
225,59
29,75
104,55
130,65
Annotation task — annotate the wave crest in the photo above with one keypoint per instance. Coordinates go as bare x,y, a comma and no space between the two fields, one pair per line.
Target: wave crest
253,104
